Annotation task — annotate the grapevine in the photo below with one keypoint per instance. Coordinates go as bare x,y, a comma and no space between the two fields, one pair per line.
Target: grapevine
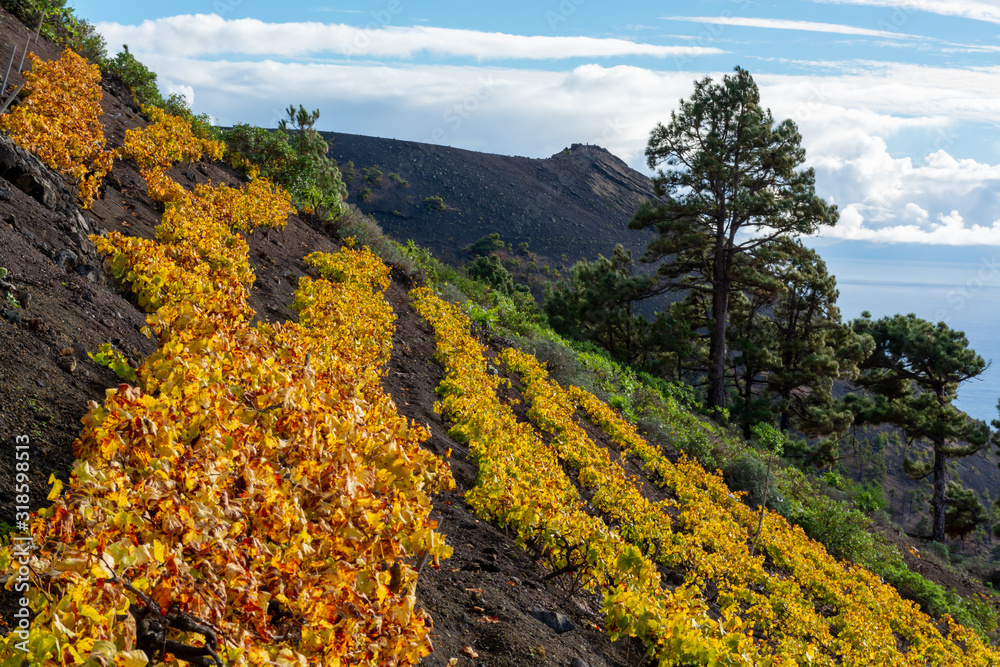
255,485
59,120
805,609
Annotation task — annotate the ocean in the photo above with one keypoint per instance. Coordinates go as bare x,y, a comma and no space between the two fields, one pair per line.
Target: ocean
957,285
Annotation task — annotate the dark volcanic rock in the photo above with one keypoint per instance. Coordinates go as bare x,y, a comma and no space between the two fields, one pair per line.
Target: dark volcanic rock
560,623
577,203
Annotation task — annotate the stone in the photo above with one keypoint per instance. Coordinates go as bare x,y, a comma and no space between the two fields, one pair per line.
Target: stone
88,271
578,662
79,349
66,259
5,194
67,363
24,297
560,623
38,188
13,316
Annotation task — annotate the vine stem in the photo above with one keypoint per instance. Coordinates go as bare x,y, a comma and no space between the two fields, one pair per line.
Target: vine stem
763,505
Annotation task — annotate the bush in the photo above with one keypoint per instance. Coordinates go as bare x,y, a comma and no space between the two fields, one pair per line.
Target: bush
561,362
748,474
372,176
293,157
269,152
61,26
846,532
348,171
434,203
201,124
398,180
870,497
364,194
485,245
490,270
137,77
434,271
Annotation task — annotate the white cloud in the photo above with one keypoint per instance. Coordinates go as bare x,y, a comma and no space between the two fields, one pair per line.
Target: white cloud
852,114
785,24
979,10
950,229
212,35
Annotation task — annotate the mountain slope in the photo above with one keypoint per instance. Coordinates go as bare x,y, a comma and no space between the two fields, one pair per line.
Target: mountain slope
576,203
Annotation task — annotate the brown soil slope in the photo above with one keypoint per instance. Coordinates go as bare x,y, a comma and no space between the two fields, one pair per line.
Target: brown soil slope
479,599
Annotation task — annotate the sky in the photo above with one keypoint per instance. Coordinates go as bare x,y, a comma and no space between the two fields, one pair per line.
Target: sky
897,101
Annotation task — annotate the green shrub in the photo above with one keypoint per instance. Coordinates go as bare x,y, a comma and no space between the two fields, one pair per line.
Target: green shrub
137,77
485,245
201,124
435,272
748,474
348,171
846,532
293,157
434,203
398,180
364,194
372,176
61,26
269,151
870,497
490,270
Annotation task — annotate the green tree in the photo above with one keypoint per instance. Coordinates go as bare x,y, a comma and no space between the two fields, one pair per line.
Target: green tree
733,186
139,79
489,269
912,378
965,511
315,180
294,157
600,303
814,348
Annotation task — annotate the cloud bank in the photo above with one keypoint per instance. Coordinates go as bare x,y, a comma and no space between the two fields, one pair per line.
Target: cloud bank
785,24
978,10
854,115
212,35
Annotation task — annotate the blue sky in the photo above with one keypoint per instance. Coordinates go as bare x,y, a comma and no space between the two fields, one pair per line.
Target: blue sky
897,100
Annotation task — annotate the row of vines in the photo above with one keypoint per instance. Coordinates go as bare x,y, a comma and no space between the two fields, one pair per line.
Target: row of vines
779,599
254,498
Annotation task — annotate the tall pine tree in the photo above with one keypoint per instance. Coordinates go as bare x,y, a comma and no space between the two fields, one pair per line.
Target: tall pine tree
732,185
912,379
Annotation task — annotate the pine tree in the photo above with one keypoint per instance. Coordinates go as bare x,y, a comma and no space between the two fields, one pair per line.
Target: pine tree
733,186
913,377
316,180
600,304
814,347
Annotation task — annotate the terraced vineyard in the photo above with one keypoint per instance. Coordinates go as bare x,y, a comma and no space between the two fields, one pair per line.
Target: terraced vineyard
255,497
789,604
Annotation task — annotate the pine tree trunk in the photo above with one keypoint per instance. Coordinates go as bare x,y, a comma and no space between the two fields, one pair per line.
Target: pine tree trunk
786,417
717,347
938,505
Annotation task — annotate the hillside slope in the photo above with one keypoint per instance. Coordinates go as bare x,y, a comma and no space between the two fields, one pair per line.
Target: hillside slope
576,203
70,306
487,598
